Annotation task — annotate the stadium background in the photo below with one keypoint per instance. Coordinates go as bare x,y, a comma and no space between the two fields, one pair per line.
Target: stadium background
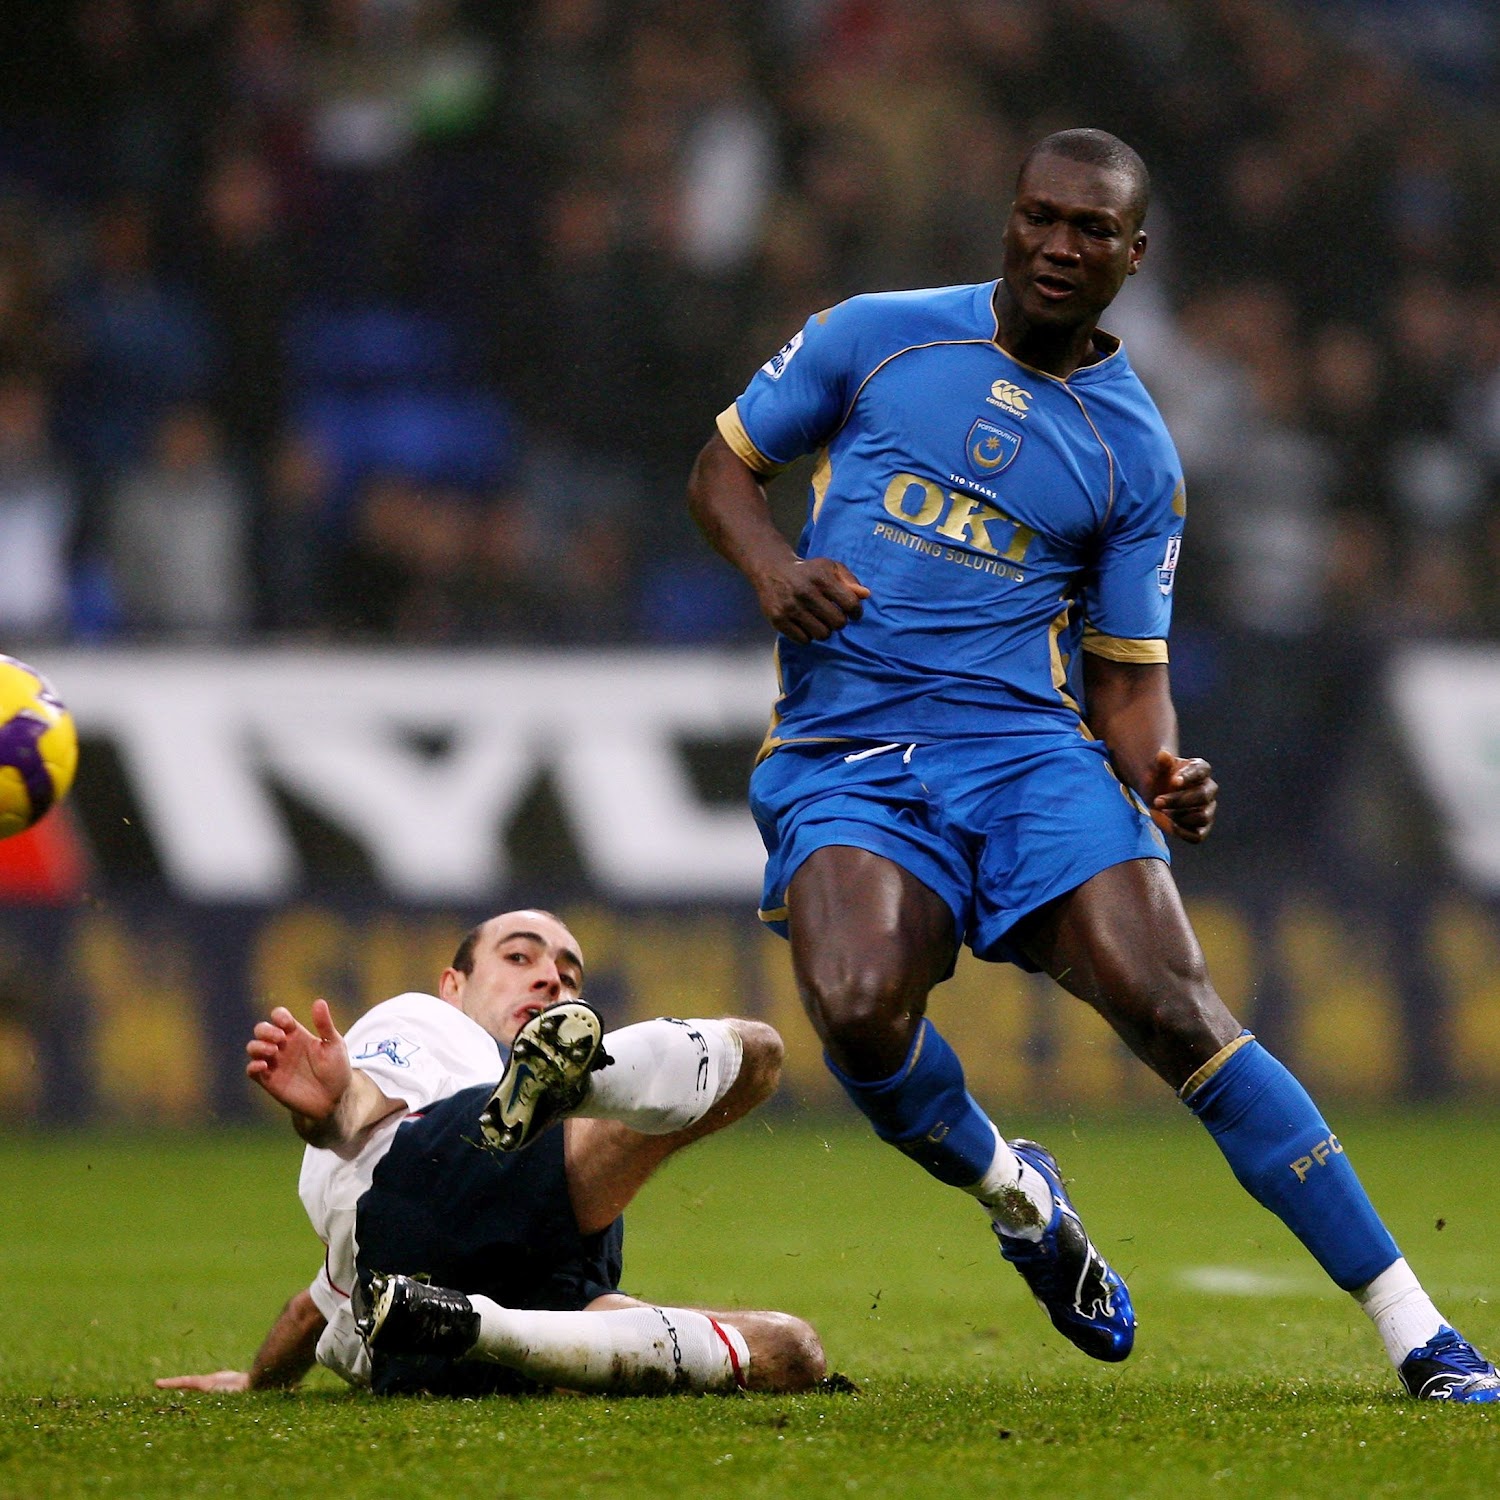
353,354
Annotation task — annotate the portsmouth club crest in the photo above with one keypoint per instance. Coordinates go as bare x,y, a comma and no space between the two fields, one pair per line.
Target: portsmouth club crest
989,448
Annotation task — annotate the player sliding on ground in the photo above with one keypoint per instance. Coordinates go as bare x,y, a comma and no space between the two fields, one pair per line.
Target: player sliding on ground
469,1248
995,520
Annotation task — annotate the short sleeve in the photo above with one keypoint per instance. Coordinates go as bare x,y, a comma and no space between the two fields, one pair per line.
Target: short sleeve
798,398
405,1047
1128,596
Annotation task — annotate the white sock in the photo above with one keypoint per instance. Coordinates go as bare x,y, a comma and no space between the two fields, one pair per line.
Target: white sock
666,1074
1016,1194
632,1350
1401,1311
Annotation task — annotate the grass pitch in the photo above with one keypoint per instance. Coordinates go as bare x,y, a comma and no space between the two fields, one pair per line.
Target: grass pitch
124,1259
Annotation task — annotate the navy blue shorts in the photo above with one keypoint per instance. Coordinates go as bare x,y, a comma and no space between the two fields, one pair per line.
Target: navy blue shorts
997,826
445,1208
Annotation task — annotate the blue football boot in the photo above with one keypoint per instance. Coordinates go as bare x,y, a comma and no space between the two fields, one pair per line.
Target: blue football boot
1449,1368
1087,1301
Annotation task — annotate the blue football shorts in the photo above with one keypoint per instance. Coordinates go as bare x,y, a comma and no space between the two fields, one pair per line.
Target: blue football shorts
996,826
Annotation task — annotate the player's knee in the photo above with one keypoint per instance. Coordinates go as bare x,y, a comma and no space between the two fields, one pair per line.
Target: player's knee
761,1056
1175,1023
803,1359
852,1005
790,1357
1189,1008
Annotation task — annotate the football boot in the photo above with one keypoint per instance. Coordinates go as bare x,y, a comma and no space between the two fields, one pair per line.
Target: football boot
1449,1368
546,1074
1085,1298
398,1315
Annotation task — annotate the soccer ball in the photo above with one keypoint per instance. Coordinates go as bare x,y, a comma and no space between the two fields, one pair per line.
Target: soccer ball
38,747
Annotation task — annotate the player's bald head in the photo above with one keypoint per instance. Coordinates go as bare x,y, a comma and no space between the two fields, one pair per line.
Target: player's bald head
550,927
1097,148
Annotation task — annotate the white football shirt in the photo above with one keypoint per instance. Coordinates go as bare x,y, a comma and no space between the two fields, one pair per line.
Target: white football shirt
416,1048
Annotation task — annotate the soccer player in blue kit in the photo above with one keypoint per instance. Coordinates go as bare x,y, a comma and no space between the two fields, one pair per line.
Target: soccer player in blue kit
996,514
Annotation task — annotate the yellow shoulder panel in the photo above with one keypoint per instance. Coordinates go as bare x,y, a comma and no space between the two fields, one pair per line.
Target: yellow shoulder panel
1119,648
732,430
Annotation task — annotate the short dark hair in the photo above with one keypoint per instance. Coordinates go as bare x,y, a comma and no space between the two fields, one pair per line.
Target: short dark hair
463,960
1098,148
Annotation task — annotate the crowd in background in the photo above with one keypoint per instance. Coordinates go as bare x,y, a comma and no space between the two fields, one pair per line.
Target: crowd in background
403,319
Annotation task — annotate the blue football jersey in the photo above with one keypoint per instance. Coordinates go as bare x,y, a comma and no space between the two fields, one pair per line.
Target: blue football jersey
1000,517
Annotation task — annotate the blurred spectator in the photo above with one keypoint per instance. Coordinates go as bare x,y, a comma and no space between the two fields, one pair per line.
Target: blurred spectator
176,532
562,77
727,167
587,327
1346,406
136,342
28,307
293,546
895,50
381,222
433,565
248,285
36,514
1437,483
591,592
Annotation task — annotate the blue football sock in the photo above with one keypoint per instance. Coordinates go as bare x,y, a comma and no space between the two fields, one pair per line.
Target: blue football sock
1288,1160
925,1111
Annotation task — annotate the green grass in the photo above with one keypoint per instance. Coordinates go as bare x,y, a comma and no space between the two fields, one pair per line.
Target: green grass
124,1259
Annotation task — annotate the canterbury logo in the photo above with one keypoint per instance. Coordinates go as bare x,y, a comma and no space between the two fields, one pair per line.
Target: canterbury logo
1011,398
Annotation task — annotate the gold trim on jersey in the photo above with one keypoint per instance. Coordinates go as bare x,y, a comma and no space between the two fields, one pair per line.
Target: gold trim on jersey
776,914
769,741
822,474
1123,648
772,742
1063,381
732,430
1059,661
1212,1066
909,349
734,433
1179,500
1098,438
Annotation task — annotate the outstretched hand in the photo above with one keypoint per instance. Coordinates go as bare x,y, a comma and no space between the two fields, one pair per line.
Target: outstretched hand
308,1073
808,599
1183,796
220,1380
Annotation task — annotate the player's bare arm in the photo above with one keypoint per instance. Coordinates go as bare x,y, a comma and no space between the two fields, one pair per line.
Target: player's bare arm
1130,709
806,599
286,1354
331,1103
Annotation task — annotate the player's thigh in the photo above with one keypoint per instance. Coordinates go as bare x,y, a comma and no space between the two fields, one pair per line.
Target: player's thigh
866,931
834,825
607,1165
1122,942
